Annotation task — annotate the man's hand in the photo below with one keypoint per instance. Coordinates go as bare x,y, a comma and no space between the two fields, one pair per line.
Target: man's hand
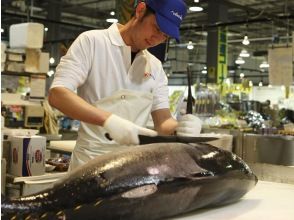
125,132
189,125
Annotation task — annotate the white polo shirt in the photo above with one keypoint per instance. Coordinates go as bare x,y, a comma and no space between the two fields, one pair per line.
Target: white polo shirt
98,63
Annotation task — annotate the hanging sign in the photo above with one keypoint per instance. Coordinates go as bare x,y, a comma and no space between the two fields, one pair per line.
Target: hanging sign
280,66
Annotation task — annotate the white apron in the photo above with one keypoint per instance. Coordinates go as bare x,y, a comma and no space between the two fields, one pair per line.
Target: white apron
132,105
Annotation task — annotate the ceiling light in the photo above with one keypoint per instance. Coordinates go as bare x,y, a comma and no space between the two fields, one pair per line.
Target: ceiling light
242,75
2,30
264,65
228,81
240,61
270,86
246,40
244,53
190,45
250,83
196,1
50,73
46,29
112,13
260,84
196,8
204,71
51,60
112,20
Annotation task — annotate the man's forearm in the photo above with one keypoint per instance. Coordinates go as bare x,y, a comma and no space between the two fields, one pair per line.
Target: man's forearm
167,127
164,123
75,107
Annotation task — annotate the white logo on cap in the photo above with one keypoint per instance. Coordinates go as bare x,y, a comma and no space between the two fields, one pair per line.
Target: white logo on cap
177,15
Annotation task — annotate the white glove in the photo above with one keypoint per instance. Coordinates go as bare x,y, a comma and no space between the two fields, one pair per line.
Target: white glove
123,131
189,125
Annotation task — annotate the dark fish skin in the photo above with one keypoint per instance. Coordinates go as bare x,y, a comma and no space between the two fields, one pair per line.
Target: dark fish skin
151,181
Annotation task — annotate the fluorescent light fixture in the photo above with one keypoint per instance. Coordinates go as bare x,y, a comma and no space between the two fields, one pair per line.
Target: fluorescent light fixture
240,61
190,45
244,53
38,9
204,71
264,65
231,71
51,60
112,20
246,40
196,1
196,9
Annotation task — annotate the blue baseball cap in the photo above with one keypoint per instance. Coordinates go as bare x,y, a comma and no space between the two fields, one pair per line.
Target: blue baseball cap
169,15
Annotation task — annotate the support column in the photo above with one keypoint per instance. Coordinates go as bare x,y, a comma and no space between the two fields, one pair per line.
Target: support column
217,44
53,13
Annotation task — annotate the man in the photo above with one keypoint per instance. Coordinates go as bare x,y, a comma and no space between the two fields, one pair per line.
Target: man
119,82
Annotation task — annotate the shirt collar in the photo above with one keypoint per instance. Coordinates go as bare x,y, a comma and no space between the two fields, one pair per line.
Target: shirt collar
115,36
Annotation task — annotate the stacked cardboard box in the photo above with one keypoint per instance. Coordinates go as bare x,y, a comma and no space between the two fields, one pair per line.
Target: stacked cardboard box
15,60
3,55
25,55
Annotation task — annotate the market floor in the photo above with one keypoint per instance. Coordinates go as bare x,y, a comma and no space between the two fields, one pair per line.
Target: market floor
267,201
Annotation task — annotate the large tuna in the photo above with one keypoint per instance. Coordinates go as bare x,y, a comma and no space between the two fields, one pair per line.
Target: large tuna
144,182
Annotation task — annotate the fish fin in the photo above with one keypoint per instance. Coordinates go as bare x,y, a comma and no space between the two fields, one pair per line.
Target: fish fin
44,215
202,174
61,215
194,176
140,191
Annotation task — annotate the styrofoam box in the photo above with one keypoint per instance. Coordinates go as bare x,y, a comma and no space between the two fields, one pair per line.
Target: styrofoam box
26,35
27,155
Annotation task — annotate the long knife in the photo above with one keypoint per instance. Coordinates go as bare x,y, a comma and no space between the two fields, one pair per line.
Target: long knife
173,139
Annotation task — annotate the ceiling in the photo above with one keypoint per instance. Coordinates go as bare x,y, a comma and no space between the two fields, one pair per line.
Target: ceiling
264,21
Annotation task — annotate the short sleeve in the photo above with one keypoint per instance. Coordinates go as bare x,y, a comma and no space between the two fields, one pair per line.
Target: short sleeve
160,93
73,69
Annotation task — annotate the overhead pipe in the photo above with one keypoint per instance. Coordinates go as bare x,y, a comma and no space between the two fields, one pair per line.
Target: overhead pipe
232,23
46,20
249,9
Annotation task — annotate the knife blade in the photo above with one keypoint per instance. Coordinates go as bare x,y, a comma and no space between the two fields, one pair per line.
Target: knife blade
173,139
